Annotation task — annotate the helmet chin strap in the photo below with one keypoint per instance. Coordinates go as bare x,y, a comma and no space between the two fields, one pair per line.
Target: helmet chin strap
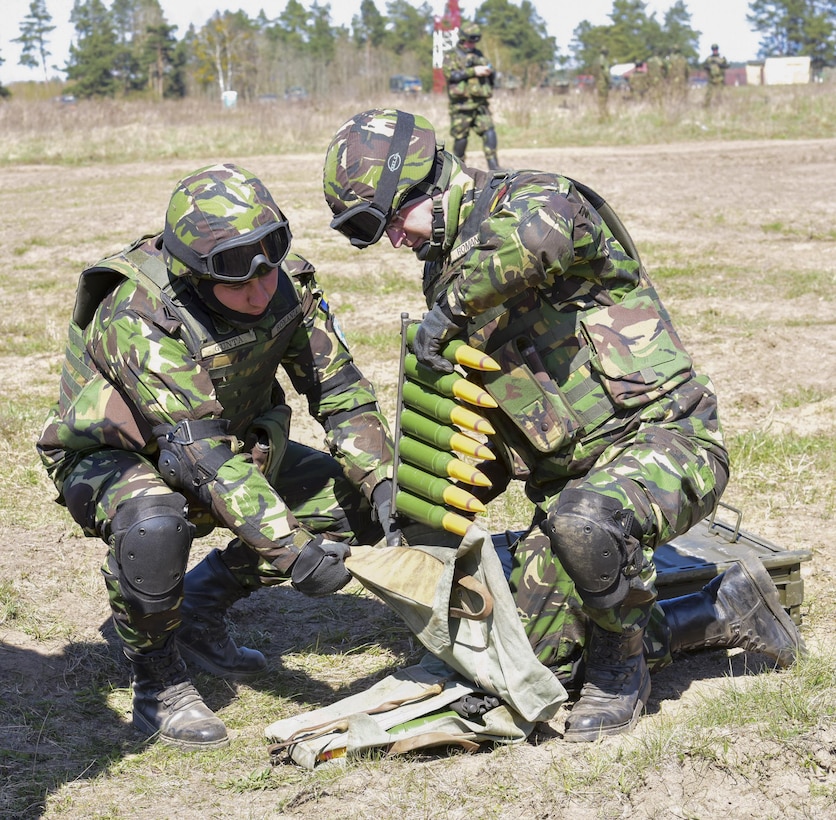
432,249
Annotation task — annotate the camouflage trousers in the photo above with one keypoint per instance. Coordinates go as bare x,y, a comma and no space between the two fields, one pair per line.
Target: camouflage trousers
478,119
553,615
311,483
670,472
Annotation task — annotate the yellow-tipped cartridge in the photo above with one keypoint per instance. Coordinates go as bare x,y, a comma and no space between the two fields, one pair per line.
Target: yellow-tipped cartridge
439,490
458,352
443,436
430,514
440,463
448,384
444,409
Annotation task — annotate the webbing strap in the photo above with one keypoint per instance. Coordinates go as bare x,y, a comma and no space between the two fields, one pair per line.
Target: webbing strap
384,194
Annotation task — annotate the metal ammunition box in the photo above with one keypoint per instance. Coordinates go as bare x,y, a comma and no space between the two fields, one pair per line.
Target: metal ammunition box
689,561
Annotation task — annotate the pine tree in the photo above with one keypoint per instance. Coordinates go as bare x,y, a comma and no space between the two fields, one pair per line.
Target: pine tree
34,29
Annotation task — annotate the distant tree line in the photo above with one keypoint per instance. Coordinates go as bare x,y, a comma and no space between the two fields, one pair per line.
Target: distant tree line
129,48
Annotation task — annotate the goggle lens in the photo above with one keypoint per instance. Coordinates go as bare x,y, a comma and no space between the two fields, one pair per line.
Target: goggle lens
237,260
363,224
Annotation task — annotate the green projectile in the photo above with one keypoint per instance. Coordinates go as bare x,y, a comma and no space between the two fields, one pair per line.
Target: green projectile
448,384
430,514
439,490
458,352
440,463
443,436
444,409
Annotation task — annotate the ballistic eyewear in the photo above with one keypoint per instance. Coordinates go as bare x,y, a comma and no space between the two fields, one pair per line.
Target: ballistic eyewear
362,224
237,260
473,38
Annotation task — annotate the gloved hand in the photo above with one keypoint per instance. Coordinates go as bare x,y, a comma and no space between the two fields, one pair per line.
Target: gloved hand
435,330
382,512
320,568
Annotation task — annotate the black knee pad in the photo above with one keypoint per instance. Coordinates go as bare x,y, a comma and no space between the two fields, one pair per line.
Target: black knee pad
151,538
590,536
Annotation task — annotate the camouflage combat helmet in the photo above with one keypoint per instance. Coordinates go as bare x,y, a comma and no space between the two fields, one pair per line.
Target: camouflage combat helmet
377,162
223,225
470,31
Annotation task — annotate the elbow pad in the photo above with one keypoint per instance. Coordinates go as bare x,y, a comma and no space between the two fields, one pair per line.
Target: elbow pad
192,452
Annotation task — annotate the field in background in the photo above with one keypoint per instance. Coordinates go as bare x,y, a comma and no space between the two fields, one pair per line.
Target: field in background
734,214
114,131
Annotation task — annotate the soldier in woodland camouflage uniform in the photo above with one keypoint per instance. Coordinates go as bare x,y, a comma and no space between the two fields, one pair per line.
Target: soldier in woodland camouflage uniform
171,421
469,87
715,64
600,409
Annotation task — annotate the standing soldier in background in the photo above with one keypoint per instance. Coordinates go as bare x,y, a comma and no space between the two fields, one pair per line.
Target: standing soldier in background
600,409
676,73
171,421
715,64
603,82
470,80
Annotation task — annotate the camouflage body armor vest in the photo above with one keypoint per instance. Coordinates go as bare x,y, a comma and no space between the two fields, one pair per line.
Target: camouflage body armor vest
472,90
240,361
569,372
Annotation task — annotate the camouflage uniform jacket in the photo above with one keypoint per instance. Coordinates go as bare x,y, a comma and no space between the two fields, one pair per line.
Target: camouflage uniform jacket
716,66
464,89
144,356
587,350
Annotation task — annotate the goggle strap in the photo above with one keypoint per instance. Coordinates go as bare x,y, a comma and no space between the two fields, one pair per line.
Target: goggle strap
439,227
384,195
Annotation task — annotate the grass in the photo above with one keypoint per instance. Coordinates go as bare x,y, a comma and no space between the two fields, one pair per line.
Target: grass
116,131
797,469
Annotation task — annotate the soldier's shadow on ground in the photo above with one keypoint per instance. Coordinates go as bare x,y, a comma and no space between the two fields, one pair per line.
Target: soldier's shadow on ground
65,713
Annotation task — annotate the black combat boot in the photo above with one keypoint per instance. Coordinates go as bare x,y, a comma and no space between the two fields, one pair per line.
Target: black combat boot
738,608
166,702
460,147
209,590
616,687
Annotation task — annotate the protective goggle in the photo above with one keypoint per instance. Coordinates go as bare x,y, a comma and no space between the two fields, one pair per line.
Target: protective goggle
473,38
363,224
238,259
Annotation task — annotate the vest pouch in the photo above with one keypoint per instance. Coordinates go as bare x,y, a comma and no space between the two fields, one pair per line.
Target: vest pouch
477,88
635,350
529,397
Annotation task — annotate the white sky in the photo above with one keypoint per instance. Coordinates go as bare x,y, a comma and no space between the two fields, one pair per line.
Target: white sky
721,21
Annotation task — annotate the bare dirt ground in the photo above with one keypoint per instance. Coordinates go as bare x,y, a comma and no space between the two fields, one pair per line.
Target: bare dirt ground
757,220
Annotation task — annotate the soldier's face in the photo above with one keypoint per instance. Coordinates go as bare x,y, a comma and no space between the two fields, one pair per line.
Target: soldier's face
412,225
251,297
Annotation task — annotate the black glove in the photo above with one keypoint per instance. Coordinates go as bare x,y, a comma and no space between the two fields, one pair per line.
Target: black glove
382,511
436,328
320,568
